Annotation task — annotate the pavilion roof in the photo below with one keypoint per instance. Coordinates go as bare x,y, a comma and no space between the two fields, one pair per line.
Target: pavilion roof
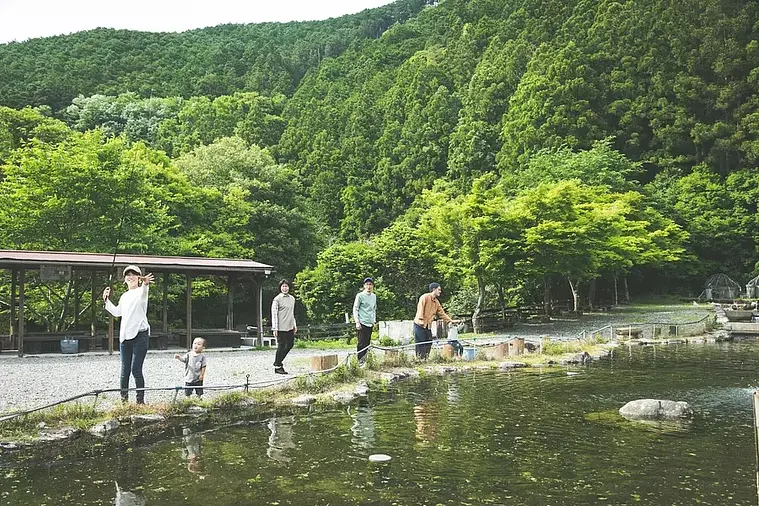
148,263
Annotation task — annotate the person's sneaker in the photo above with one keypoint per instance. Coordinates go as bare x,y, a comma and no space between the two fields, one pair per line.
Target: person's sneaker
279,370
362,364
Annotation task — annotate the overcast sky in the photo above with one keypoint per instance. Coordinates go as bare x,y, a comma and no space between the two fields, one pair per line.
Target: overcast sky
26,19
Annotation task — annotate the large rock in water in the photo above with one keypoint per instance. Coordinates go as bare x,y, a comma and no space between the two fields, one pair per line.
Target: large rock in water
654,409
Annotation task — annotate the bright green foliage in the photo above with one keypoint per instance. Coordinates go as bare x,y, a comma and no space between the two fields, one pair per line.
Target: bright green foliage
475,236
578,232
74,195
401,260
19,127
263,198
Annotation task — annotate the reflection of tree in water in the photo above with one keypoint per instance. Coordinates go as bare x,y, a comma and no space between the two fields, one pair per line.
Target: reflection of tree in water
363,429
424,416
281,438
126,498
191,451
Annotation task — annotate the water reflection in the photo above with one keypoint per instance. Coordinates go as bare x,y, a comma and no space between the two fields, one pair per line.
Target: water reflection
126,498
362,430
281,438
191,451
426,427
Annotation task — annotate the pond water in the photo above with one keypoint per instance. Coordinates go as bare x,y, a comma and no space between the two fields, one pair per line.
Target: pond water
524,438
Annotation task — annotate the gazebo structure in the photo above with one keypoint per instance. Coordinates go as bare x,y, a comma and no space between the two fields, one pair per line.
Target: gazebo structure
721,287
752,288
55,265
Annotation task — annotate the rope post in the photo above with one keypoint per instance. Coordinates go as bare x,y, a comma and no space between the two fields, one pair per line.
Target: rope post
755,398
176,392
247,382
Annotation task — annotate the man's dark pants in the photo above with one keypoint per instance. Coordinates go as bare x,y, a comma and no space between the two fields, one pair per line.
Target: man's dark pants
423,340
364,339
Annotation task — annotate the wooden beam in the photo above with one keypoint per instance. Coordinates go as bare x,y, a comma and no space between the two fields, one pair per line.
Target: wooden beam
21,303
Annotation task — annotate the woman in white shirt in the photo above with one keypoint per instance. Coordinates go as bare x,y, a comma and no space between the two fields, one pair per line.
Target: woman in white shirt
134,330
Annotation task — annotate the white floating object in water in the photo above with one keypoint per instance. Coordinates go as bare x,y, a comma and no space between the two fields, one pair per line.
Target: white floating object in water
379,457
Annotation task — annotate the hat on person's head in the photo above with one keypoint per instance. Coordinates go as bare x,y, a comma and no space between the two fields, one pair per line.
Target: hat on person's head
368,280
433,286
132,268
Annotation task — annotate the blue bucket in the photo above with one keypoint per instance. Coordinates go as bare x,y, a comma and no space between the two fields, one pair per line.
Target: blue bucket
469,353
69,346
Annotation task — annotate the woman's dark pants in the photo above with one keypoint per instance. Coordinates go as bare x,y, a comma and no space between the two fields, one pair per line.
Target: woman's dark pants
133,353
285,341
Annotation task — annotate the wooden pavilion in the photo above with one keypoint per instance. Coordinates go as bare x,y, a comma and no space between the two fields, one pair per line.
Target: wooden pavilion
56,265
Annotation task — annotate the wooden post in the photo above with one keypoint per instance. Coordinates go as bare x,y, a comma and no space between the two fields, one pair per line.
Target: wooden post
230,303
516,346
21,303
501,351
755,398
260,323
165,304
93,308
323,362
189,311
77,304
14,273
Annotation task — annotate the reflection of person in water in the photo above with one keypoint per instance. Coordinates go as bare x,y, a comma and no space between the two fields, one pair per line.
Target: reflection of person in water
126,498
363,427
281,438
426,431
191,451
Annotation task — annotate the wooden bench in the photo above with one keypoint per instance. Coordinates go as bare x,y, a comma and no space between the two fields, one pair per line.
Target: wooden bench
158,341
215,338
50,342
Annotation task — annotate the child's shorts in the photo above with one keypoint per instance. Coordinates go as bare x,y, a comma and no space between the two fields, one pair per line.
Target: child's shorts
190,385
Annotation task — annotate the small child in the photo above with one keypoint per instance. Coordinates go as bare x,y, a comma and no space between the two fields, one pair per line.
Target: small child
194,367
453,340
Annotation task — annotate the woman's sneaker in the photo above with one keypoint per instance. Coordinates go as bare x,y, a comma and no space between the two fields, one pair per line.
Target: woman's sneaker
279,370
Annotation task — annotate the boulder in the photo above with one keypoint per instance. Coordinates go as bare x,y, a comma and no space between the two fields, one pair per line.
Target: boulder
104,427
146,419
343,397
304,400
362,389
655,409
511,365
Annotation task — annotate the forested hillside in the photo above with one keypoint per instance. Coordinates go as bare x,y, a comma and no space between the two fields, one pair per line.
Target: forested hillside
516,150
266,58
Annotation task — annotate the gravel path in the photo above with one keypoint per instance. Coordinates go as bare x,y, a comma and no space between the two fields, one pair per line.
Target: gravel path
36,380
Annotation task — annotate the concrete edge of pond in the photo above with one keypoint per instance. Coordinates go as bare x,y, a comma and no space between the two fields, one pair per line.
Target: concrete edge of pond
131,421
